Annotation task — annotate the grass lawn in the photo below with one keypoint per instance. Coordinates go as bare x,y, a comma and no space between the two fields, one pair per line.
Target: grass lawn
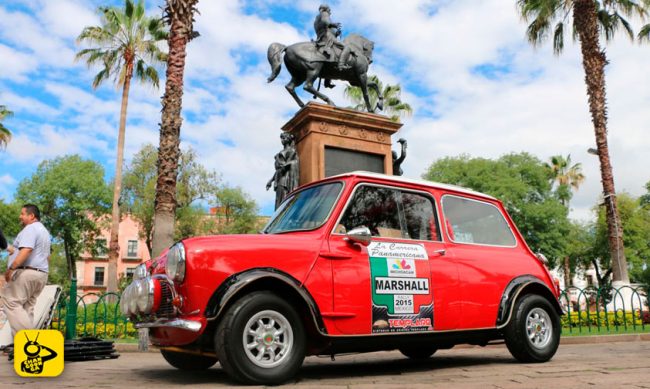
603,331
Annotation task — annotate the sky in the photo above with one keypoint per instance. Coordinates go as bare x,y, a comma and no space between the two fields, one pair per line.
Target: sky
476,86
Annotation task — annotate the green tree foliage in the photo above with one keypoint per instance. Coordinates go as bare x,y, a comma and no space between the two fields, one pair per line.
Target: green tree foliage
523,183
238,212
635,219
194,183
568,177
5,134
9,221
393,104
644,200
72,196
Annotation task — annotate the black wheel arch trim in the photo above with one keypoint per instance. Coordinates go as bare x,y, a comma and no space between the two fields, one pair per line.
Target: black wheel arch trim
512,291
236,282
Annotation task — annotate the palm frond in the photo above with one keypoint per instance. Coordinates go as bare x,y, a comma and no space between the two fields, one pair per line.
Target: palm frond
558,38
644,34
126,35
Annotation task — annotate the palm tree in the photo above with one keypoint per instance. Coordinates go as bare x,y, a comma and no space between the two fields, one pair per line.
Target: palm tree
567,177
125,45
393,105
179,15
5,134
590,19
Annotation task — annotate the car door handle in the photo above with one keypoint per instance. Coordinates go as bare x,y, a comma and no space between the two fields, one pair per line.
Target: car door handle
335,256
441,252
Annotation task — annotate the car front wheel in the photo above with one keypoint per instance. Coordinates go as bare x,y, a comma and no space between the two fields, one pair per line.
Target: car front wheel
261,339
533,333
184,361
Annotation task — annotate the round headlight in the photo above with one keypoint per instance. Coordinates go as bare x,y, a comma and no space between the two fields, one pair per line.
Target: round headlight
145,296
140,271
133,306
175,267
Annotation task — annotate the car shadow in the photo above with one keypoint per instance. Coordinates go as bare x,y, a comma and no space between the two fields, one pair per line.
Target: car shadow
315,369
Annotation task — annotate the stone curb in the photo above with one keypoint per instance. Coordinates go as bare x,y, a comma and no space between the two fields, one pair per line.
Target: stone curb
133,347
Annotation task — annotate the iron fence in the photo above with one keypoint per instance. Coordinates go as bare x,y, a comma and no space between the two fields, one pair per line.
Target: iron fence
605,309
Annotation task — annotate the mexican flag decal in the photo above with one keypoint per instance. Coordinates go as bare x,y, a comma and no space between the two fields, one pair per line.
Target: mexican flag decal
401,295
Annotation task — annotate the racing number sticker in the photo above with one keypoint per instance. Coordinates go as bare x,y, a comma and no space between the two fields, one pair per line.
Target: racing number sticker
401,295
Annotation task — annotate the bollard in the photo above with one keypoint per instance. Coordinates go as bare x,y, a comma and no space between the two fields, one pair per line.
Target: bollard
143,339
71,312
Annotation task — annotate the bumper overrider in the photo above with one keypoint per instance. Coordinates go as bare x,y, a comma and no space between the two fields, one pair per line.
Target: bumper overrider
152,302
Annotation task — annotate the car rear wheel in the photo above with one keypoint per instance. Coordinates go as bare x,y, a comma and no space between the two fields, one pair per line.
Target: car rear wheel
418,352
533,333
261,340
185,361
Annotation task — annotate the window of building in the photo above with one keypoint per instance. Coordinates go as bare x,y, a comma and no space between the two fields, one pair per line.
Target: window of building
477,222
99,276
132,248
391,213
129,273
101,247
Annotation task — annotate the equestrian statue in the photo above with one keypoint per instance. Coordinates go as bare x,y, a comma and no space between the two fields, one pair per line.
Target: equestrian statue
326,58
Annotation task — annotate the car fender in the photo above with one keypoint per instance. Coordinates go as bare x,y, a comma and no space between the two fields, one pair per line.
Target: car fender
239,283
525,283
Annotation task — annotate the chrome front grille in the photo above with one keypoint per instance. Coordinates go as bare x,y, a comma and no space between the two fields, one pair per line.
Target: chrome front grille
166,309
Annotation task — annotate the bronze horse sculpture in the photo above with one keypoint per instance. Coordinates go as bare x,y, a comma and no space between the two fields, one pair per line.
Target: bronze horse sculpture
306,64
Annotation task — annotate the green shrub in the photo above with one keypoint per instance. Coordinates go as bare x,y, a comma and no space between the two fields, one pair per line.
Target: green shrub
601,319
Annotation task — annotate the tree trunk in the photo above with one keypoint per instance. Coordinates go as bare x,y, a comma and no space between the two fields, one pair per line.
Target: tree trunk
69,258
114,245
179,14
593,62
567,274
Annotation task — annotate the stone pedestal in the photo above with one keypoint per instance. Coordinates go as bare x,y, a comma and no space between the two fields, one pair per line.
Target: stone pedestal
333,140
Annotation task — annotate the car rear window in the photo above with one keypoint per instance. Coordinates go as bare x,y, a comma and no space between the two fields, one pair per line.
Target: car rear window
476,222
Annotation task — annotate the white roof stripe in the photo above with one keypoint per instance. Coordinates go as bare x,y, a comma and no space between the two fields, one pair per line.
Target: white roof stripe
431,184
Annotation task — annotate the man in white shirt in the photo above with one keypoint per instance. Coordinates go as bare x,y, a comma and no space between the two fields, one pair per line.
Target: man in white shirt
27,270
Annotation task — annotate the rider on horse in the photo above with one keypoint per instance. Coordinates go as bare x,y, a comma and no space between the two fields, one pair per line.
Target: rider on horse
327,36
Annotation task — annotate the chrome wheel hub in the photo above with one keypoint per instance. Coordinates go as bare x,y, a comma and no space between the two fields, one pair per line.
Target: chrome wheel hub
539,328
267,338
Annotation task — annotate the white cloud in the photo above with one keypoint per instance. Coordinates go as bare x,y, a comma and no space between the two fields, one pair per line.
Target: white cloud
15,65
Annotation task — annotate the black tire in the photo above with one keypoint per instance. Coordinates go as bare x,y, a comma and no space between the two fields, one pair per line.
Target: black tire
238,360
185,361
543,344
418,352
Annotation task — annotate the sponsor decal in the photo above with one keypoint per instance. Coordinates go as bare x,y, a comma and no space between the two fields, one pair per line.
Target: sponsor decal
393,285
401,294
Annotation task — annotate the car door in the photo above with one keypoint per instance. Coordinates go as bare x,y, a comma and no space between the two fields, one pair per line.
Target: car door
403,281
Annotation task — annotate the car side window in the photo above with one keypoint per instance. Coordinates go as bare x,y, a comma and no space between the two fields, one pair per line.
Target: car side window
391,213
476,222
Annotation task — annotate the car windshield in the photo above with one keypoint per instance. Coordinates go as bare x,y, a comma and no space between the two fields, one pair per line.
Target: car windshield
305,210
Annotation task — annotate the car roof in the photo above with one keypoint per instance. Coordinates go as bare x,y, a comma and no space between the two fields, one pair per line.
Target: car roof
430,184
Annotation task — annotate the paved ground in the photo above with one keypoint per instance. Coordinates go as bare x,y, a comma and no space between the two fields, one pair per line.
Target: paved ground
600,365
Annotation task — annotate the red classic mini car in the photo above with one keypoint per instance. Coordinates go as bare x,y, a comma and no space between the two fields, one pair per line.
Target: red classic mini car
353,263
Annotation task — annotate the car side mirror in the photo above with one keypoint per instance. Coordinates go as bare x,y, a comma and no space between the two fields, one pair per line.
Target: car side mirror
359,235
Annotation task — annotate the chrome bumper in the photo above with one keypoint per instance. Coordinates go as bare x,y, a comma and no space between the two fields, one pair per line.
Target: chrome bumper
189,325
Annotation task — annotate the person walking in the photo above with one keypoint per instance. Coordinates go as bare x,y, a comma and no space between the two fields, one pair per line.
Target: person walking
27,270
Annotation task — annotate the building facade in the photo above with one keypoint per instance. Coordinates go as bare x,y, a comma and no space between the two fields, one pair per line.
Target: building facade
92,270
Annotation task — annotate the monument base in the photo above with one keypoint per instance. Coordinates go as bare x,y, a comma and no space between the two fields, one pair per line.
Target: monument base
332,140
